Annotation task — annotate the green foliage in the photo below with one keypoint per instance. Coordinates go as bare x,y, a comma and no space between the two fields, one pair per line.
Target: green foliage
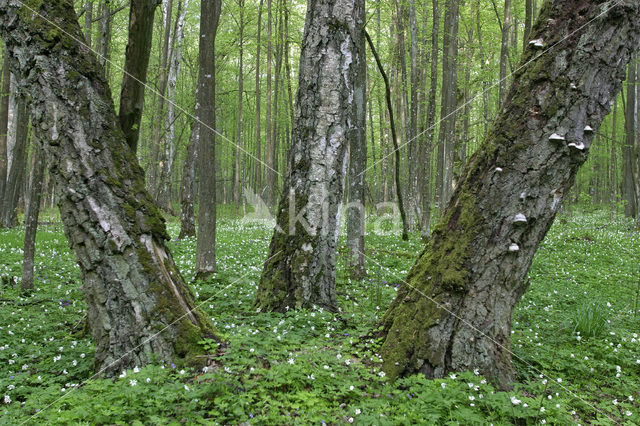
311,366
589,319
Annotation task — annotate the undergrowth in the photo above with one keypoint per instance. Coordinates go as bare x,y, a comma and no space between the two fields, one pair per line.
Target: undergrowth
575,342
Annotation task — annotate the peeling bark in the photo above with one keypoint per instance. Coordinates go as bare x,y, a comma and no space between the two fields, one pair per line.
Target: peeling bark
300,271
138,305
455,311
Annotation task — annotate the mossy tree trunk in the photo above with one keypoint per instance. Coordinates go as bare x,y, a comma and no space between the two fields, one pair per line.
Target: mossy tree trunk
454,312
139,307
15,179
300,270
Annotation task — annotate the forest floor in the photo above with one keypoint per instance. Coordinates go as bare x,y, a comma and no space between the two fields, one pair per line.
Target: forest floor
575,341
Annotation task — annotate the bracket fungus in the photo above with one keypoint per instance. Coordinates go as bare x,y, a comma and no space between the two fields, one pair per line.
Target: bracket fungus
537,42
556,138
513,248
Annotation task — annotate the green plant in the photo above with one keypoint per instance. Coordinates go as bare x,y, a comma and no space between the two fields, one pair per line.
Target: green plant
589,319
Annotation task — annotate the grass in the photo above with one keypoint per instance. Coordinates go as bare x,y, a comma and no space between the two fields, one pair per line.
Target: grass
575,342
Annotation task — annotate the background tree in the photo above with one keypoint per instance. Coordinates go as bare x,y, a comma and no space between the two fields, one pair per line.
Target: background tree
300,269
205,99
141,14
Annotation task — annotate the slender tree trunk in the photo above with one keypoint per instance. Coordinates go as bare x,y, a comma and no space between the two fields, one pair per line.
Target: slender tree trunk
4,121
413,113
156,143
139,308
104,36
206,242
258,186
300,270
396,149
88,22
628,186
188,184
504,51
136,62
239,156
272,178
425,186
175,60
613,185
15,178
31,214
528,20
357,139
454,312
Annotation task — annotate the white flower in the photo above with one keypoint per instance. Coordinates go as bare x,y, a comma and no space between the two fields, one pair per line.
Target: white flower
443,384
351,387
291,361
133,382
350,420
615,402
136,369
453,376
559,380
7,399
515,401
148,380
381,374
181,372
358,411
628,413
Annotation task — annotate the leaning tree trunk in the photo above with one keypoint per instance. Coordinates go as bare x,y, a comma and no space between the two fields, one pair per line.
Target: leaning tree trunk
300,270
454,311
139,307
135,68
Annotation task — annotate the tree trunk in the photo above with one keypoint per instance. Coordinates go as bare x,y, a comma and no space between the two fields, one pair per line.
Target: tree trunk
175,60
136,63
271,175
528,20
239,130
104,36
205,98
504,51
4,121
258,186
454,311
139,307
167,8
628,186
300,270
31,214
357,139
15,179
188,184
88,22
613,186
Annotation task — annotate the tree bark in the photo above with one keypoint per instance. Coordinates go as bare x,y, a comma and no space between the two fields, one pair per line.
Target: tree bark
136,63
528,20
300,270
237,193
271,175
104,35
15,178
454,311
139,307
205,98
31,214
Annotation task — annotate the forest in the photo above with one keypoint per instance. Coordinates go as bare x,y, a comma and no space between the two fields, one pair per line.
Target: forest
280,212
